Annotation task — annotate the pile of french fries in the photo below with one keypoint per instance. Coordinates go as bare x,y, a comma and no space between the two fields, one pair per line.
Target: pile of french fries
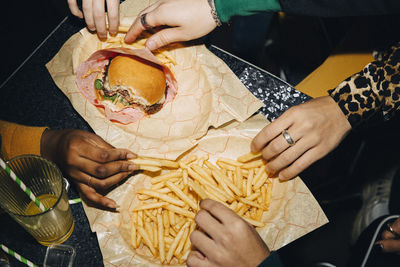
164,217
162,53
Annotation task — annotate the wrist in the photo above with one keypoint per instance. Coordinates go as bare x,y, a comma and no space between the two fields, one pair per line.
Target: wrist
49,142
214,13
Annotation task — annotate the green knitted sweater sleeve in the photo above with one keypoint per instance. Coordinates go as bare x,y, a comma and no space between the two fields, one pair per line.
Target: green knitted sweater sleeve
229,8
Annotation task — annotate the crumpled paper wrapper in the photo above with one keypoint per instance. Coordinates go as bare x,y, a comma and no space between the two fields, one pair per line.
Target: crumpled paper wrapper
209,94
293,211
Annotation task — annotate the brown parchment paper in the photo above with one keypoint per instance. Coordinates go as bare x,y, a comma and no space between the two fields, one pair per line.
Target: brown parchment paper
293,211
209,94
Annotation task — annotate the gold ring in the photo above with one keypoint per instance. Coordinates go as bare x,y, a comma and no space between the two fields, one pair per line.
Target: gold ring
393,232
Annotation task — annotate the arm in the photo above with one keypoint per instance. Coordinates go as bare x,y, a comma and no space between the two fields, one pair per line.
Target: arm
17,139
340,8
372,95
319,125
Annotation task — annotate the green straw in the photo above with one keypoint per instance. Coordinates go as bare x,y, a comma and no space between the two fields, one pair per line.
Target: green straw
75,201
17,256
22,185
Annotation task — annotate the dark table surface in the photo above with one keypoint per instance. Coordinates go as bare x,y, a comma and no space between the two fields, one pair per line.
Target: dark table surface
30,97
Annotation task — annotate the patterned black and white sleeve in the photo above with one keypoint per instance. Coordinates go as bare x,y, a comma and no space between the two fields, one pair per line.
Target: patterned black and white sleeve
373,94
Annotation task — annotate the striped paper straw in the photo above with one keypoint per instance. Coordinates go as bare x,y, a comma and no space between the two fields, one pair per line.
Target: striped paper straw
75,201
22,185
17,256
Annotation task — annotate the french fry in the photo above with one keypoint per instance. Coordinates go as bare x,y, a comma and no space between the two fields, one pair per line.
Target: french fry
146,240
150,216
176,242
261,181
149,231
169,163
149,206
230,162
182,195
258,175
218,176
210,165
225,166
133,230
203,173
149,168
253,164
239,179
253,196
189,160
250,203
166,177
249,182
268,195
171,216
197,188
161,244
140,218
181,243
162,197
185,176
197,176
180,211
147,162
249,156
123,29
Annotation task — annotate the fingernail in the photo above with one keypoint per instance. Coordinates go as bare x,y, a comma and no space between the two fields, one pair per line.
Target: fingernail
252,148
132,167
112,205
130,156
151,45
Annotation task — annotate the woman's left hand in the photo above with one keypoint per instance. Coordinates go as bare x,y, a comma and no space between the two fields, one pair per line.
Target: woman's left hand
316,127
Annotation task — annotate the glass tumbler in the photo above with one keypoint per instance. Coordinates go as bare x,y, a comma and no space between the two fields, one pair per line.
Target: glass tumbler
46,182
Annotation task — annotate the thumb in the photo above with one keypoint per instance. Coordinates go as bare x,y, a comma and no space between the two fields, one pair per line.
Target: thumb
165,37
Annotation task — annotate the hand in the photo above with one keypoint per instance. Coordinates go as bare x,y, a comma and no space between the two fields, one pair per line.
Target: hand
390,242
188,20
94,14
227,239
316,126
92,163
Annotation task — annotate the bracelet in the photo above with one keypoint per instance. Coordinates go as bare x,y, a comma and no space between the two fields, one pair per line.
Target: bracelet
214,12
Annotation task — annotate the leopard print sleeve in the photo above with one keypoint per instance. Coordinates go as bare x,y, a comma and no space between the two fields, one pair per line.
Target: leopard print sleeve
373,93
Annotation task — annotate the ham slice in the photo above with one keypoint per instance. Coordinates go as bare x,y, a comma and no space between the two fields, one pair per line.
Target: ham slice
88,71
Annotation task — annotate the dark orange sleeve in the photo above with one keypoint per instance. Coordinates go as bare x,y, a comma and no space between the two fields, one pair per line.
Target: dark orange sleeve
18,139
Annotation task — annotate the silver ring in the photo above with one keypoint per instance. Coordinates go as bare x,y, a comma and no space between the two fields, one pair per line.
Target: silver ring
288,138
393,232
143,21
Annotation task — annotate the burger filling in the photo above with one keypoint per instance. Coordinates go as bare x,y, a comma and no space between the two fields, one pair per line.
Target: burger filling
121,97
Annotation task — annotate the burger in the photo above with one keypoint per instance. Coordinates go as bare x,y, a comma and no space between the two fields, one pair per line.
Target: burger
131,82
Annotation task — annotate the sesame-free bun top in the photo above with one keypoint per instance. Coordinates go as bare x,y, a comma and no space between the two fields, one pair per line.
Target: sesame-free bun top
144,79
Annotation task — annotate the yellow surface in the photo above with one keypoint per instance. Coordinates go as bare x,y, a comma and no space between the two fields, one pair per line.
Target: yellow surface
332,72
